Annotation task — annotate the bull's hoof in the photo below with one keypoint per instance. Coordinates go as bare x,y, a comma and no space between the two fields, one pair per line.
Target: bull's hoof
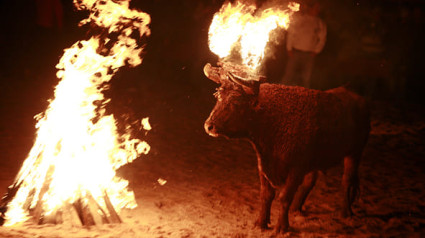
281,228
262,224
346,213
298,212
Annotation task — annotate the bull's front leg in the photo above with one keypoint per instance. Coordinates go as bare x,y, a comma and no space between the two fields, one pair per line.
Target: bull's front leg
267,194
285,197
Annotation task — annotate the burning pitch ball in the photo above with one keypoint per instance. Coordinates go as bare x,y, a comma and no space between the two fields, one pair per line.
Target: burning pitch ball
246,30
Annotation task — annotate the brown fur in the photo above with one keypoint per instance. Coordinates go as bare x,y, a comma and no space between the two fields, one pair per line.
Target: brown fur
295,132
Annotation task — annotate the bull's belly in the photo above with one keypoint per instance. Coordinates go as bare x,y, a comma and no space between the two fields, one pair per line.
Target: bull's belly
325,161
276,170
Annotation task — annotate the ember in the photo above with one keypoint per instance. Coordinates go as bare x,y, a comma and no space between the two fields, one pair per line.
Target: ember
69,173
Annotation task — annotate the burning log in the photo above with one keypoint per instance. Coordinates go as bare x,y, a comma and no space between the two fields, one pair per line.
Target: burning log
114,218
100,215
10,194
69,175
84,213
37,213
69,216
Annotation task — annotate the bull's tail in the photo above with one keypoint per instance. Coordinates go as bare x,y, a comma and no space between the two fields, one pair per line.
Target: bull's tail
351,184
354,190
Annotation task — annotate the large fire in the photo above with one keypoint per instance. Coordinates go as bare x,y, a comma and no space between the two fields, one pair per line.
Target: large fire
242,28
77,147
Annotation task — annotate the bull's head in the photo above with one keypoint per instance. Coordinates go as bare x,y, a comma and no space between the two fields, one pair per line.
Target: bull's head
234,111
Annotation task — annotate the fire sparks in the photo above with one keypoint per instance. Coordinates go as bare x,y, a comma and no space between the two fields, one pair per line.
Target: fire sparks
77,147
240,27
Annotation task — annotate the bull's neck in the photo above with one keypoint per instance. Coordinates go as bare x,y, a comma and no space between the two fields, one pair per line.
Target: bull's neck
262,132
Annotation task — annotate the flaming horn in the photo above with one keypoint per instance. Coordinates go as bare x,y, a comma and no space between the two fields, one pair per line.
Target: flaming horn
69,174
245,30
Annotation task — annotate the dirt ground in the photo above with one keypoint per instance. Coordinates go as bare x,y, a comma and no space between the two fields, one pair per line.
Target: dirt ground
212,187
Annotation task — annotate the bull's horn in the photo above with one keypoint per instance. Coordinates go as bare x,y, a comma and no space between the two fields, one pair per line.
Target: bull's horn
212,73
253,84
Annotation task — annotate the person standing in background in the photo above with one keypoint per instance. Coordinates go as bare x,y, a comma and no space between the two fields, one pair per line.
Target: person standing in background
306,37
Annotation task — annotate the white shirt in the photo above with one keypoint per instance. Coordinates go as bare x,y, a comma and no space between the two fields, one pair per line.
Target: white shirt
306,33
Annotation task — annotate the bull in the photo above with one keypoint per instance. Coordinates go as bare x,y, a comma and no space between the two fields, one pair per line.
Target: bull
296,132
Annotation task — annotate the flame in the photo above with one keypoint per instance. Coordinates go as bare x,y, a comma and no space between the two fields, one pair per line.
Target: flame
77,147
240,27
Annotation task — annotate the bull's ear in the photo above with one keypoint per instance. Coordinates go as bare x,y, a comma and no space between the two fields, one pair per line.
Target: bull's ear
262,79
251,84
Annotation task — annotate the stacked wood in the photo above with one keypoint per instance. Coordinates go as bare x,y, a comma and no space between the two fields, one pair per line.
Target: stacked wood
84,211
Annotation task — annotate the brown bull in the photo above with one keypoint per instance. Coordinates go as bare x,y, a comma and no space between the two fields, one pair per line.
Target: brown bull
296,132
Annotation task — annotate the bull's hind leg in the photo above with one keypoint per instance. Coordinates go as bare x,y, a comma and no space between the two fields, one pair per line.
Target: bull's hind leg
350,183
286,196
267,193
304,190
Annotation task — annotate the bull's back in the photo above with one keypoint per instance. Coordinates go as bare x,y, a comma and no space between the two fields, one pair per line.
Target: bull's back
312,128
356,110
343,126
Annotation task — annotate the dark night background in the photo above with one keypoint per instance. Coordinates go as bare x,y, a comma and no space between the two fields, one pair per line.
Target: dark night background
377,46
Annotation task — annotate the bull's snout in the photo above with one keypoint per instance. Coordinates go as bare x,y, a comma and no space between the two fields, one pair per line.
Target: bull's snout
210,128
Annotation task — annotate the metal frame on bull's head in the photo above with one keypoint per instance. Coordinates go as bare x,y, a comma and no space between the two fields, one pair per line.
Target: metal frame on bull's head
254,85
219,75
236,98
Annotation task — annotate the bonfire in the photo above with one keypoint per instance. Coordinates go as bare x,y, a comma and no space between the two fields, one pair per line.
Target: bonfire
69,175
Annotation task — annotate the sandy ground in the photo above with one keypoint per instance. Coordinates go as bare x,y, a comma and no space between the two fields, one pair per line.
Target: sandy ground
212,187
